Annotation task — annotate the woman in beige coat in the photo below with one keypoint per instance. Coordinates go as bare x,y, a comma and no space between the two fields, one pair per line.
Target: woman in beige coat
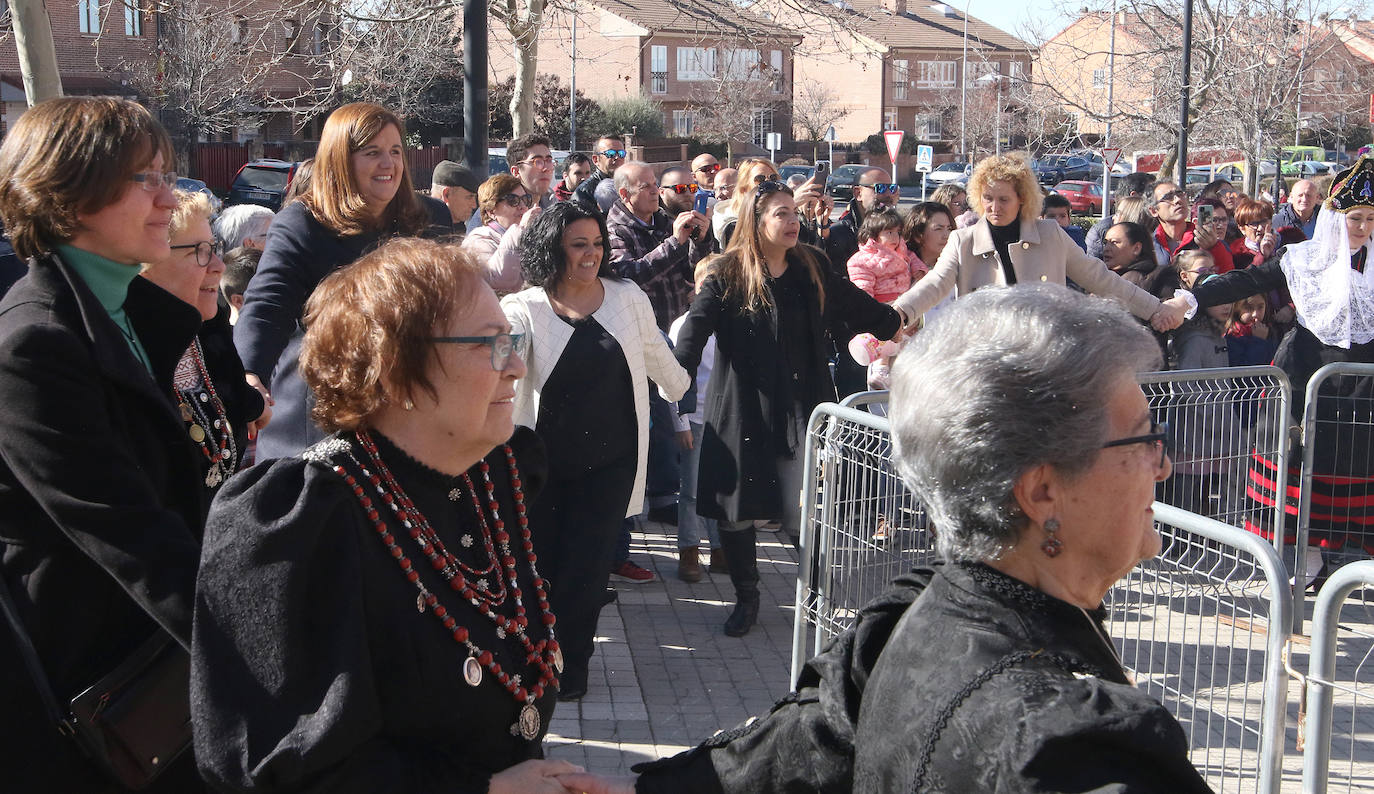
1011,245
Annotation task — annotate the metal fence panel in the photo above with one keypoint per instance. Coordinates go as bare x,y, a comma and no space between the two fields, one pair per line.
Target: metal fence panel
1339,751
1202,627
1337,502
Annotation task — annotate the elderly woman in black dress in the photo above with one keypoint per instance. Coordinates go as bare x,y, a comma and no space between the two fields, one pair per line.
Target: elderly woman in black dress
370,615
1018,421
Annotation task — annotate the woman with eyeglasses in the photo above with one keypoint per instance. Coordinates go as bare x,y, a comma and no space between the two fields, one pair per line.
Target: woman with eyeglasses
592,344
770,303
1257,240
507,210
372,615
359,195
102,498
221,411
1010,244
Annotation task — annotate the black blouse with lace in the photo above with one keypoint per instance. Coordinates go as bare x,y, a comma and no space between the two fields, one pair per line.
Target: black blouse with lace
313,670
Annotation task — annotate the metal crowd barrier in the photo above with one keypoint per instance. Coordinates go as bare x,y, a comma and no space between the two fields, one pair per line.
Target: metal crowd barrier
1202,627
1339,751
1338,462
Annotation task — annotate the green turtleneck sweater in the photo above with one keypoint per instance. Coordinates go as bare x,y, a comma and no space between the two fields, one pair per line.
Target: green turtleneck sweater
110,281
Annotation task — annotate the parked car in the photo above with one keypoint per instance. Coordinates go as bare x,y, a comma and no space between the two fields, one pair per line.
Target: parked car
946,172
190,185
1084,197
843,179
788,171
262,182
1306,169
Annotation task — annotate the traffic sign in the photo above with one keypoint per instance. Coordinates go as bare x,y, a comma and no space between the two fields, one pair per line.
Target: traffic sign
775,140
830,135
1110,156
924,155
894,143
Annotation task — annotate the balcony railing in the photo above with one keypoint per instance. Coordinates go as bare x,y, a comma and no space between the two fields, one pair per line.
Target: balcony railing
658,82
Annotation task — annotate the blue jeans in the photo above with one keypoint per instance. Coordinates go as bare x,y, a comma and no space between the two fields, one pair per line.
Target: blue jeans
689,524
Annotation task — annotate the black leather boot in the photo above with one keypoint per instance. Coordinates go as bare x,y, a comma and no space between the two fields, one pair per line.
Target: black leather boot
741,554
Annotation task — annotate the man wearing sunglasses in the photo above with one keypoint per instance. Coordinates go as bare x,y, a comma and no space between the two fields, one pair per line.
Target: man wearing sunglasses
608,156
1169,205
704,169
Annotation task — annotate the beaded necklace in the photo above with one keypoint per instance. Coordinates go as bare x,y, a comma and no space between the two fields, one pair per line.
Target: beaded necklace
545,655
211,433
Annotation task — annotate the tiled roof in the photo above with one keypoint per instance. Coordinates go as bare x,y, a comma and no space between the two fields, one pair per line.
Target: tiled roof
1357,35
703,17
924,27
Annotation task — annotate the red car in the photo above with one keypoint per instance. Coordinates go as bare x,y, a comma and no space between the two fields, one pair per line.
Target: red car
1084,197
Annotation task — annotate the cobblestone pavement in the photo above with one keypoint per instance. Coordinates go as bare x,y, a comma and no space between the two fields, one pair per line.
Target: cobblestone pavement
664,676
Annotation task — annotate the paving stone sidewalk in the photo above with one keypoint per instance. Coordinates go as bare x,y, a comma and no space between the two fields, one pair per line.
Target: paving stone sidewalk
664,676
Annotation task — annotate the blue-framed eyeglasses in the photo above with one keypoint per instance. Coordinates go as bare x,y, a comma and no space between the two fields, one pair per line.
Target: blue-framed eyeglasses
503,346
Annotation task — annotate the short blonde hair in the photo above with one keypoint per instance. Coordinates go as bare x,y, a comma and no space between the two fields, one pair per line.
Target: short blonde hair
1015,170
191,206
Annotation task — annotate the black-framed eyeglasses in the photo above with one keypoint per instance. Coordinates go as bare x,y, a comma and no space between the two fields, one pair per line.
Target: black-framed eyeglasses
882,188
153,181
1171,195
615,154
690,187
511,200
502,346
204,251
1158,436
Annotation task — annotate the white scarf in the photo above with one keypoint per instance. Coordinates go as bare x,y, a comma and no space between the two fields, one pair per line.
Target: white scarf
1333,300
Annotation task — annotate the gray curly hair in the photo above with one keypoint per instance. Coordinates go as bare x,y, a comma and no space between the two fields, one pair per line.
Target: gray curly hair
1004,380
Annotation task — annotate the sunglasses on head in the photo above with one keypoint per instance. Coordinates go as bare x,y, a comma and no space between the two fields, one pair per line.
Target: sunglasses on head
882,189
615,154
690,187
710,169
759,179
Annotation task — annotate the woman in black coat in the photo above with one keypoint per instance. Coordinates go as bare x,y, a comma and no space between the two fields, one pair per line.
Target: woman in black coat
770,304
221,411
360,194
101,502
370,617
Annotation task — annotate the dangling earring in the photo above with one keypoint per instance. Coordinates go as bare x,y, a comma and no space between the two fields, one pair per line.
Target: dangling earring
1051,545
408,405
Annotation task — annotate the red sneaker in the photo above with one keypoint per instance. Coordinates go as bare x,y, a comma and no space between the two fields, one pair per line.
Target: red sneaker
629,572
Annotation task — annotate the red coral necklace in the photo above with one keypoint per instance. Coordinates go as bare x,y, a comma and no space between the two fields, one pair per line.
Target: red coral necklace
544,655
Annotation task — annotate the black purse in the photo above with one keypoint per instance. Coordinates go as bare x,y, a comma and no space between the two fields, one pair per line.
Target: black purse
133,722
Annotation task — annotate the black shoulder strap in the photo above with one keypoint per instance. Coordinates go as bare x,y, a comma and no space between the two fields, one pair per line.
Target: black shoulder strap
40,677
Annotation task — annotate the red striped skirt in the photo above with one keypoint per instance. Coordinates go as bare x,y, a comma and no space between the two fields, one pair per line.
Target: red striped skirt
1342,511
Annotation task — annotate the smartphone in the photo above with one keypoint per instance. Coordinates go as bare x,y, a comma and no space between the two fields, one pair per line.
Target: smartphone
703,201
1204,214
822,172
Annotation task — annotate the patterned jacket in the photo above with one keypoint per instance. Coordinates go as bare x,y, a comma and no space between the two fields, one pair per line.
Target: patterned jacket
650,256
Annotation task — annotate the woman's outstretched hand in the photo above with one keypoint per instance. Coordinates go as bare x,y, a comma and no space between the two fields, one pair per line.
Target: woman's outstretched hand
533,777
588,783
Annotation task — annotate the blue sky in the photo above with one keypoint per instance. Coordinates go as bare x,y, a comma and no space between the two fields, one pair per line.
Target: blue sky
1016,16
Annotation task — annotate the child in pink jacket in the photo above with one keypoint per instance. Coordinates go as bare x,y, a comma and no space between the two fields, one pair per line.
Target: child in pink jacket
884,268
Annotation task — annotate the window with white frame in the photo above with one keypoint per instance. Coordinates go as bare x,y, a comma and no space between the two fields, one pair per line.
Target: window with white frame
133,19
937,74
930,127
684,123
890,119
88,15
696,63
1018,70
977,69
658,69
901,77
741,64
763,124
775,61
1099,79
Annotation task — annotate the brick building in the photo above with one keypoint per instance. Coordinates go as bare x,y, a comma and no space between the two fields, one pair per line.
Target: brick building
681,53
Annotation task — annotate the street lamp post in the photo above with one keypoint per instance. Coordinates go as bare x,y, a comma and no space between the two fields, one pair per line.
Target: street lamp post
989,79
946,10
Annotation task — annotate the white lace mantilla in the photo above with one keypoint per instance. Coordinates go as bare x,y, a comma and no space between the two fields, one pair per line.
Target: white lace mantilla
1333,300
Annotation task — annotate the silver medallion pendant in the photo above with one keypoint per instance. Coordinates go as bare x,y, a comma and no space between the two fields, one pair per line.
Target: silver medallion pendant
472,671
558,660
213,477
420,603
529,721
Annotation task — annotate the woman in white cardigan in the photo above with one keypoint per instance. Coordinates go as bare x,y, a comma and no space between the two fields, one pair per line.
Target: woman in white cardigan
591,344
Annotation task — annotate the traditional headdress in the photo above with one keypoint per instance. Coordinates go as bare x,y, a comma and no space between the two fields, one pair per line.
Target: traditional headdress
1354,187
1333,300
